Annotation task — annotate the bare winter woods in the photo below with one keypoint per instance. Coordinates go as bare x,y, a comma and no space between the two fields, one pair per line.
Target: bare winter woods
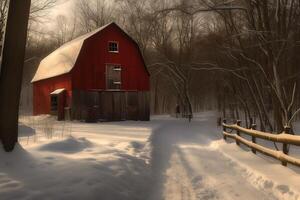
240,57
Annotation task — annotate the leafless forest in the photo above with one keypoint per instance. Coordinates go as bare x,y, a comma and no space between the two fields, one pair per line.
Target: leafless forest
240,57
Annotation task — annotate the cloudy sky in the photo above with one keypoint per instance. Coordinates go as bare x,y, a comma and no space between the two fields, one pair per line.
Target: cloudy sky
63,8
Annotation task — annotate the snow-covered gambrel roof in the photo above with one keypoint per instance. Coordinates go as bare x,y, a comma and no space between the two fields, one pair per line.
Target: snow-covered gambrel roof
62,60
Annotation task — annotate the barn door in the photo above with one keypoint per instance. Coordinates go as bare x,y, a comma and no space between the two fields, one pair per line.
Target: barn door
119,106
54,104
113,77
58,103
107,101
132,106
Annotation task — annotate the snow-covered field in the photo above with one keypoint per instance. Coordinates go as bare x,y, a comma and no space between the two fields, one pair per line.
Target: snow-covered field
165,158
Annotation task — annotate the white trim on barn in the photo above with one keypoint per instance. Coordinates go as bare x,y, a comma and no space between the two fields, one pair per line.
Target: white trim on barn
58,91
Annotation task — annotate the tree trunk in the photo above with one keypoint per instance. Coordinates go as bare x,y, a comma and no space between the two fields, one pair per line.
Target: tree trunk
188,101
12,69
156,100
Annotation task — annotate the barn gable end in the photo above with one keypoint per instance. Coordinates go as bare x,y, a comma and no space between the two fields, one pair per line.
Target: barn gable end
90,69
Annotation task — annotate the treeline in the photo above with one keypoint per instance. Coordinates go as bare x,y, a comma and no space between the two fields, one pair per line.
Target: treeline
245,53
258,55
240,57
170,42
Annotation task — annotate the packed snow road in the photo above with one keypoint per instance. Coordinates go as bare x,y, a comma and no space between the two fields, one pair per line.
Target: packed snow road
188,167
164,159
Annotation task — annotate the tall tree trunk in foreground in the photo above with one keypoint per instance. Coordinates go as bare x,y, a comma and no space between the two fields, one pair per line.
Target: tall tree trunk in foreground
12,69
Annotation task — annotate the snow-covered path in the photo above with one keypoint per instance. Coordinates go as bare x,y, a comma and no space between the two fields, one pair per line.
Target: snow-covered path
188,168
164,159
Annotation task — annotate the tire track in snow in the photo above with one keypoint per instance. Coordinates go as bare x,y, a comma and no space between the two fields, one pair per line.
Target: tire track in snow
220,177
178,186
187,169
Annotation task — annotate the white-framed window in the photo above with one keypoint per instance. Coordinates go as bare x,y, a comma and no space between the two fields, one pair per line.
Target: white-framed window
113,46
113,77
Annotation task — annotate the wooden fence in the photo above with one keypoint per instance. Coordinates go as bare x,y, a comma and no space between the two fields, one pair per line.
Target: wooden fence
284,138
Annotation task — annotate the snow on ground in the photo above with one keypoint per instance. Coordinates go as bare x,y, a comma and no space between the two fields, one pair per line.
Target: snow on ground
107,161
166,158
193,162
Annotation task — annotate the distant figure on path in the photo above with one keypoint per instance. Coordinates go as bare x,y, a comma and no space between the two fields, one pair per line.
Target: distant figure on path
177,110
190,117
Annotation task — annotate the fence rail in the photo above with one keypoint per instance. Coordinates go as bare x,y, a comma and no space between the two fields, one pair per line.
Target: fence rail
285,138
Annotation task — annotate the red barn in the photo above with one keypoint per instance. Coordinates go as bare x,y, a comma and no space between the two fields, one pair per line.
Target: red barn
98,76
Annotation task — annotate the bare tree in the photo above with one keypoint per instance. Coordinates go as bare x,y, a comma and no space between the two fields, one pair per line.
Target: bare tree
11,71
3,14
94,13
17,15
256,58
138,19
64,30
39,9
262,39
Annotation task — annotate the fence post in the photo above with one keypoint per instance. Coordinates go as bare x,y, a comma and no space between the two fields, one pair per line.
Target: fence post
238,122
253,127
285,148
224,129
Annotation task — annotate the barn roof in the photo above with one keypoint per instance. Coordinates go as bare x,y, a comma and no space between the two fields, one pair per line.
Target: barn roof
62,60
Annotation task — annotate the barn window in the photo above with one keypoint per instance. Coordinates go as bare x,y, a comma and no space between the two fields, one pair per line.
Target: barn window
113,47
113,77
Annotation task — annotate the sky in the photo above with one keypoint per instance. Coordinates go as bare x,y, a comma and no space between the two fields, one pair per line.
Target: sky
64,8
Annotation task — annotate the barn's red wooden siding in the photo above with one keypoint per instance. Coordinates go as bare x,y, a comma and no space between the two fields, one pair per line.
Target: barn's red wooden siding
43,88
89,71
